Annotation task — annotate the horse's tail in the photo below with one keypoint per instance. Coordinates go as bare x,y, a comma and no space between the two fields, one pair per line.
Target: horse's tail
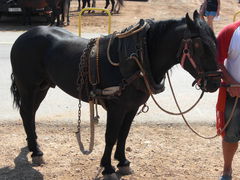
120,2
15,93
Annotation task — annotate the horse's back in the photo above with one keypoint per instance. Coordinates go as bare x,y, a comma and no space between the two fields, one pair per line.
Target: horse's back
31,47
35,54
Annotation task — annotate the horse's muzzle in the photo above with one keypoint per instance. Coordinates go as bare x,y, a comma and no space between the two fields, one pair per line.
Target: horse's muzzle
209,81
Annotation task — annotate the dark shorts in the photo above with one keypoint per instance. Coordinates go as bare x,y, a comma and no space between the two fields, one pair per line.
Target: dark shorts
232,132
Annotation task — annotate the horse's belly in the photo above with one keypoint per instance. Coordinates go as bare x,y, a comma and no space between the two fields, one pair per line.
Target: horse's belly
64,73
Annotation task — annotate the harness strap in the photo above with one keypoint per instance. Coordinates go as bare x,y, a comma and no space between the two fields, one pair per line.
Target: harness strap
93,64
186,53
139,27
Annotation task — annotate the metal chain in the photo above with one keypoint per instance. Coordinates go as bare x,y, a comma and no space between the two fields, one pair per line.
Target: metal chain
82,76
83,68
81,81
79,114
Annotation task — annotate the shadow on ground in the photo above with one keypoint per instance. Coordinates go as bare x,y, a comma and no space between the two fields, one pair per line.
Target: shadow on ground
22,169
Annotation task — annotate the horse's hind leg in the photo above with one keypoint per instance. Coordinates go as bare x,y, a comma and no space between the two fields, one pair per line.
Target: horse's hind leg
124,164
30,101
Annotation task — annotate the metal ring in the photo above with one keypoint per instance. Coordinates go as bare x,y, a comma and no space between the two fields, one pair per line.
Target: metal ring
145,108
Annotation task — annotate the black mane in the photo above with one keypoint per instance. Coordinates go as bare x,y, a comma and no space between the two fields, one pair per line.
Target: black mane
159,28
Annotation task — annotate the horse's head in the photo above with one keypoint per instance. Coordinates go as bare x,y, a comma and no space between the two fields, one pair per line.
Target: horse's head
198,54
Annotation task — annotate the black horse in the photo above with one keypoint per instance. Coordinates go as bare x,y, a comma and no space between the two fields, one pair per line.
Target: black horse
87,2
58,8
134,60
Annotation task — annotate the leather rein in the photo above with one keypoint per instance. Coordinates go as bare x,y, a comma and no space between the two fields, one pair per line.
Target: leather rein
186,52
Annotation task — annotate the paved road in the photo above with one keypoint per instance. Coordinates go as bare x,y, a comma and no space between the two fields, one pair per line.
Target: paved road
60,106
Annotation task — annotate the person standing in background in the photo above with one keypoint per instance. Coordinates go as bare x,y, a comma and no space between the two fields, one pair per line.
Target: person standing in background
212,10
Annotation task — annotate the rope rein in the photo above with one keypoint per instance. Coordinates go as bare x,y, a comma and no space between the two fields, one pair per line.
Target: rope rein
180,112
190,127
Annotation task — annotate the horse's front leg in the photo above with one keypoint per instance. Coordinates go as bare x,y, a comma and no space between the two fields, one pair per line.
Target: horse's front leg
114,121
124,164
113,4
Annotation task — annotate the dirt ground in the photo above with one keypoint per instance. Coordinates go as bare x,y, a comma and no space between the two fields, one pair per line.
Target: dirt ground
133,11
156,151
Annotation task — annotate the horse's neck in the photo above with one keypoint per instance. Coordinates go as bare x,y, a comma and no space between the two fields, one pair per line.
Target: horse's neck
163,54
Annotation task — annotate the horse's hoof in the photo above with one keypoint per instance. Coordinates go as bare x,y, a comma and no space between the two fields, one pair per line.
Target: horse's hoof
112,176
37,160
125,170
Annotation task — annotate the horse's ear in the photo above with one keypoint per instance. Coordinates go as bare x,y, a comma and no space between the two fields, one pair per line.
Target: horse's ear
190,22
197,19
196,15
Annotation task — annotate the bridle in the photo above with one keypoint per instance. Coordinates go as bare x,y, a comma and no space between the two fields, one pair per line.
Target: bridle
186,50
185,53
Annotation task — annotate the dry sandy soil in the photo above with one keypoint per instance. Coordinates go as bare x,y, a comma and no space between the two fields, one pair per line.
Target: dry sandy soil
157,9
157,151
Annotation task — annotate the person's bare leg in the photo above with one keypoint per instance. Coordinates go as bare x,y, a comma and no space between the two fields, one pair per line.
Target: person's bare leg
202,17
210,21
229,150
